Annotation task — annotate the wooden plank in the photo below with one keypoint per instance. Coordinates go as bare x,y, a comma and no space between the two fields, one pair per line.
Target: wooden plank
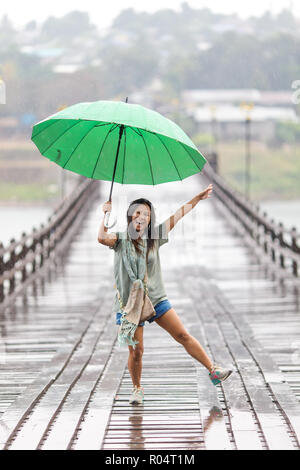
216,435
22,406
71,414
31,433
244,429
99,408
169,417
273,428
272,375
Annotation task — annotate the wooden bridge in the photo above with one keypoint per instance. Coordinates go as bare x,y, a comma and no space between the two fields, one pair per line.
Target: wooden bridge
64,382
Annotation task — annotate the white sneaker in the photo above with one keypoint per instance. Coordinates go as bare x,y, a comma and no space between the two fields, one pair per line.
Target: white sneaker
219,374
137,396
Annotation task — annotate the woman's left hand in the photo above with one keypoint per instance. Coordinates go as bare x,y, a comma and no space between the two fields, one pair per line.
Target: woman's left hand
206,193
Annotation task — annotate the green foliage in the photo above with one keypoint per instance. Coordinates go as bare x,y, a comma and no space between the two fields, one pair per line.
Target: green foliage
203,140
288,132
18,154
25,192
274,172
71,25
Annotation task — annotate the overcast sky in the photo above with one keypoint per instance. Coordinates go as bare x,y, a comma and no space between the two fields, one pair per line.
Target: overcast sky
103,12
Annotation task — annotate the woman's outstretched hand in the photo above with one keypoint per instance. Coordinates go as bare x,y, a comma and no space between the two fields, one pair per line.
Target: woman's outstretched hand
206,193
107,206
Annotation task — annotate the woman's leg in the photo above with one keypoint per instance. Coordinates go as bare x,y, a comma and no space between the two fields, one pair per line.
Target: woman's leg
171,322
135,358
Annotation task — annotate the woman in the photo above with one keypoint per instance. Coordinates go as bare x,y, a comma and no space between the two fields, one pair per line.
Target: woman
142,233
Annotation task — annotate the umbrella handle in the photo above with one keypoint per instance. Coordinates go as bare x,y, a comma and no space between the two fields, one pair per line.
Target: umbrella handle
107,216
106,219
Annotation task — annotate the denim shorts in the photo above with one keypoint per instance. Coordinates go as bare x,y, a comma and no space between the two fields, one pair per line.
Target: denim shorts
160,308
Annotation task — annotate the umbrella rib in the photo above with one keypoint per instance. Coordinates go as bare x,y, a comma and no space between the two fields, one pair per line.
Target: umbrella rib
45,150
124,155
45,128
55,121
112,129
147,155
64,165
169,154
190,156
134,130
100,125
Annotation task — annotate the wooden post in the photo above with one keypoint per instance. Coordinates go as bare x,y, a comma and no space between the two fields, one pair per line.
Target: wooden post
41,242
33,248
48,238
12,261
63,224
265,231
23,256
281,242
296,249
257,237
213,160
268,235
273,253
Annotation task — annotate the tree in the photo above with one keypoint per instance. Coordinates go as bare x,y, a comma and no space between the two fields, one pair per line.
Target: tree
8,34
72,25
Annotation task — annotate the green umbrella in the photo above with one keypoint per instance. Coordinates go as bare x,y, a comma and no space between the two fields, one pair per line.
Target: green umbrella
117,141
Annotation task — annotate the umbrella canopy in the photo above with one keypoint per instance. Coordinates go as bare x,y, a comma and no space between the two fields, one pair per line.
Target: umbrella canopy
117,141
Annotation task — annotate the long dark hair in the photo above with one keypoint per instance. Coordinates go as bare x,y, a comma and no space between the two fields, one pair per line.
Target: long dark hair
150,230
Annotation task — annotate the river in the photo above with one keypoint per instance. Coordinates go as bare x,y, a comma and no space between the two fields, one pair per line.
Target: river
287,212
15,219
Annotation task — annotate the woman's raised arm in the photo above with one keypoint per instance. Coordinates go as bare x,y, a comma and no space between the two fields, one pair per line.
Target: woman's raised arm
187,207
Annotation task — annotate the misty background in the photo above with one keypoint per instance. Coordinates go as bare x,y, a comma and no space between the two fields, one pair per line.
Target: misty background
207,71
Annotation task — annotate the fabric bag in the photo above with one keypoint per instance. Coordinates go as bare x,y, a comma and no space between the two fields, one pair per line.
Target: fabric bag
148,310
139,307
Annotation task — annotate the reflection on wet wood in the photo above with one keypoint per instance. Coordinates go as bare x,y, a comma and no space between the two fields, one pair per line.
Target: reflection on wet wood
169,417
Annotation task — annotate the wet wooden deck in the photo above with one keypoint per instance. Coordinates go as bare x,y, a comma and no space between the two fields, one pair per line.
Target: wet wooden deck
64,382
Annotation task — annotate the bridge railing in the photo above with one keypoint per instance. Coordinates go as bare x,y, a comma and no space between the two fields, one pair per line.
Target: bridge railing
277,245
21,259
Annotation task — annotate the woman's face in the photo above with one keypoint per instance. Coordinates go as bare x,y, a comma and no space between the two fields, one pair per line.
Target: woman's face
141,218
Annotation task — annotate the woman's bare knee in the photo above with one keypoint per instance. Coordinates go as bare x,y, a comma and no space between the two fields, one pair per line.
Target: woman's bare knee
136,353
183,337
